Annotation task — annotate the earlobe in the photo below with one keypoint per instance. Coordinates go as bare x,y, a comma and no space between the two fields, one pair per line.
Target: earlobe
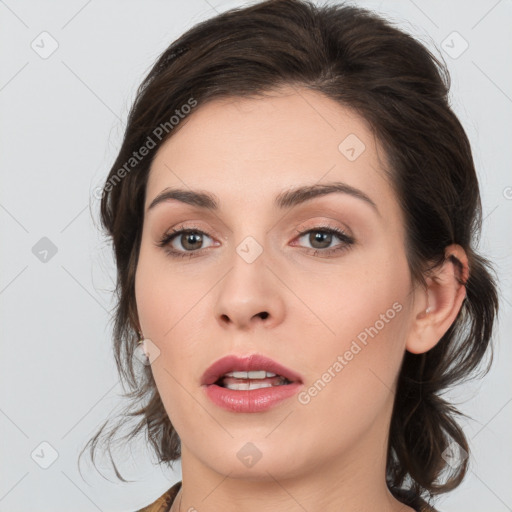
438,305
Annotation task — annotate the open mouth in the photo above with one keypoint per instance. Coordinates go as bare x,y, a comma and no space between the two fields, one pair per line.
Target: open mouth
256,379
249,383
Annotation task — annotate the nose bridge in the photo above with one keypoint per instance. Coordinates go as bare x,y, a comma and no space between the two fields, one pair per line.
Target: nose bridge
249,292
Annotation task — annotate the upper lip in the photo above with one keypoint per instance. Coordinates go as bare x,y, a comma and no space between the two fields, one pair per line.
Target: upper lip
246,363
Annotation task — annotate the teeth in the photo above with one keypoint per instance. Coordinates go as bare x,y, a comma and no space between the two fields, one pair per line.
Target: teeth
258,374
249,380
244,386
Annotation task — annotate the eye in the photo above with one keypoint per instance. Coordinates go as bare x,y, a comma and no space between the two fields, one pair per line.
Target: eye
184,242
321,238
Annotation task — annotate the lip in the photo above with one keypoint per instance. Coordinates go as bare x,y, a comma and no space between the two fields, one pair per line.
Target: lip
253,400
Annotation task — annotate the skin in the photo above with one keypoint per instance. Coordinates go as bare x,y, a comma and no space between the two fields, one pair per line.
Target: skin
330,453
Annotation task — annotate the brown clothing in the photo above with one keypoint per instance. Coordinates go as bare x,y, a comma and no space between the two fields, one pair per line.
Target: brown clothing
164,502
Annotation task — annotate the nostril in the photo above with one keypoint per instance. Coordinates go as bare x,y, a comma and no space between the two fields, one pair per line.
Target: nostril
263,315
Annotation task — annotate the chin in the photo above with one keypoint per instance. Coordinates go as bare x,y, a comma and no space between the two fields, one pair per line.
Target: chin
246,459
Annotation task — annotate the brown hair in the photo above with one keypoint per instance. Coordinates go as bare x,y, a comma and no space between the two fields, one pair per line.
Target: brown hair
358,59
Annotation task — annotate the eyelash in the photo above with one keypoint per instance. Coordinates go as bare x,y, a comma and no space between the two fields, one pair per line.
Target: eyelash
346,240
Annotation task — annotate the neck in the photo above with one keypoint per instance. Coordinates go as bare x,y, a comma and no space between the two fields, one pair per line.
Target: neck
352,481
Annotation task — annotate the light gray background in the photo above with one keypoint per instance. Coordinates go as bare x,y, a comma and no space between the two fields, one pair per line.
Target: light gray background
62,119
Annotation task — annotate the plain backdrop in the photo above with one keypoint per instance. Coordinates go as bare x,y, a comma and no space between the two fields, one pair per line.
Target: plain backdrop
68,75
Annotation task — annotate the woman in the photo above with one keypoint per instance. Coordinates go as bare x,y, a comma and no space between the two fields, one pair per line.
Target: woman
293,212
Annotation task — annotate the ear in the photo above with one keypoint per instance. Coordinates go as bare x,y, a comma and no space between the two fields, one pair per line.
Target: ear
437,307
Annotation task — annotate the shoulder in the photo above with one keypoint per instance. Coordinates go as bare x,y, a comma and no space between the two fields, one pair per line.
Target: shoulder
164,502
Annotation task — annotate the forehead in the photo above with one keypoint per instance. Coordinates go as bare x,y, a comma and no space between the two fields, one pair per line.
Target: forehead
255,147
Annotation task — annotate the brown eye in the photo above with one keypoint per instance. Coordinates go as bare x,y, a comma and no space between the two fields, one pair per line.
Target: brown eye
191,240
184,242
322,238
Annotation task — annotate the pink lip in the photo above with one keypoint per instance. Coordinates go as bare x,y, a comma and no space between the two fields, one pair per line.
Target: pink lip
254,400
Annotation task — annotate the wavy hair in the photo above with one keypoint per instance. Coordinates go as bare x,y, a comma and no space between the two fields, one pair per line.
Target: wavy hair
358,59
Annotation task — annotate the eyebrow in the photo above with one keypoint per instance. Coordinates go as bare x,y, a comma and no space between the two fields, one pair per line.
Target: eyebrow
284,200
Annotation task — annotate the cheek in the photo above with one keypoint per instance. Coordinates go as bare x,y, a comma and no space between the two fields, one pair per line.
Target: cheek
166,299
174,316
167,305
364,301
353,365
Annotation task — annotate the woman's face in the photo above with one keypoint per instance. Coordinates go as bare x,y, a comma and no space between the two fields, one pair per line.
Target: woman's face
338,306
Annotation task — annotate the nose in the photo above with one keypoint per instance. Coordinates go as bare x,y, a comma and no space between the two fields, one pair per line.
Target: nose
249,295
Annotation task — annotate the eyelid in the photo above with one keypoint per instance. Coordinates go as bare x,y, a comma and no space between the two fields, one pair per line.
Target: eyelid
345,238
323,223
179,229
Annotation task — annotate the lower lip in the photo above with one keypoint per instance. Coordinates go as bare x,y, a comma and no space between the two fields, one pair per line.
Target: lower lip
251,400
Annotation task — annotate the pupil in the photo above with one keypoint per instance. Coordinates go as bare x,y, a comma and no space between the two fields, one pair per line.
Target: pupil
318,236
